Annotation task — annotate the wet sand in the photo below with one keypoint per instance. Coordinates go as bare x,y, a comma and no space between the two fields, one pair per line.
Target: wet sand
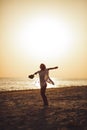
24,110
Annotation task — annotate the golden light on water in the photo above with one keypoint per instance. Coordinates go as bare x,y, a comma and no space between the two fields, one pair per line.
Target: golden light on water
36,83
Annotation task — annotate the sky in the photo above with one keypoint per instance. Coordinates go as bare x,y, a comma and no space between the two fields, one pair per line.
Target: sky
53,32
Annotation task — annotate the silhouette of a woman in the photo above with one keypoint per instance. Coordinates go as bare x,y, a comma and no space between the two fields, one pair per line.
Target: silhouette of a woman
44,78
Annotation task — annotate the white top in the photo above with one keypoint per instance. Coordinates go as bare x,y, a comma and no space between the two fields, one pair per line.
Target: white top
44,77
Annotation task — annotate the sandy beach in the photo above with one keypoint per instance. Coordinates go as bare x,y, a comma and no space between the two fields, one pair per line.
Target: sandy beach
24,110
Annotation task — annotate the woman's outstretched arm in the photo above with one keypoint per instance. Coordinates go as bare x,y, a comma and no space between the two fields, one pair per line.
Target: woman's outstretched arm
36,73
32,75
56,67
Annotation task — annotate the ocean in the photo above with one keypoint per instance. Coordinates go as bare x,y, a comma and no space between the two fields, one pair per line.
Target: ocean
10,84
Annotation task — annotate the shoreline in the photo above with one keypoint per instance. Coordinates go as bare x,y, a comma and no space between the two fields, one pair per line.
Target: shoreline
36,89
23,109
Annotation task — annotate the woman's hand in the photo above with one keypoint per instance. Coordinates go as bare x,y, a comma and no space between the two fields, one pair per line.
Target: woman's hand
56,67
31,76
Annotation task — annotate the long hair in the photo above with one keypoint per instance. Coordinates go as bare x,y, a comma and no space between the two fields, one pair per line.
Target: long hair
42,66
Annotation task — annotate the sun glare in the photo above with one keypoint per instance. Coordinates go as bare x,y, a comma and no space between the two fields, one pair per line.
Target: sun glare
45,37
49,37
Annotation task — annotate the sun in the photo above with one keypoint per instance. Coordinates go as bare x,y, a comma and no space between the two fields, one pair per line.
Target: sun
49,37
46,37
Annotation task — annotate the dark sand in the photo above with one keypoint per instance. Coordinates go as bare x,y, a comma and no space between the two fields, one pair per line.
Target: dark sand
24,110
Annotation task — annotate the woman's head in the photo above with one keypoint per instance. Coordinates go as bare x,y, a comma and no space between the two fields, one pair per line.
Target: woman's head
42,66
